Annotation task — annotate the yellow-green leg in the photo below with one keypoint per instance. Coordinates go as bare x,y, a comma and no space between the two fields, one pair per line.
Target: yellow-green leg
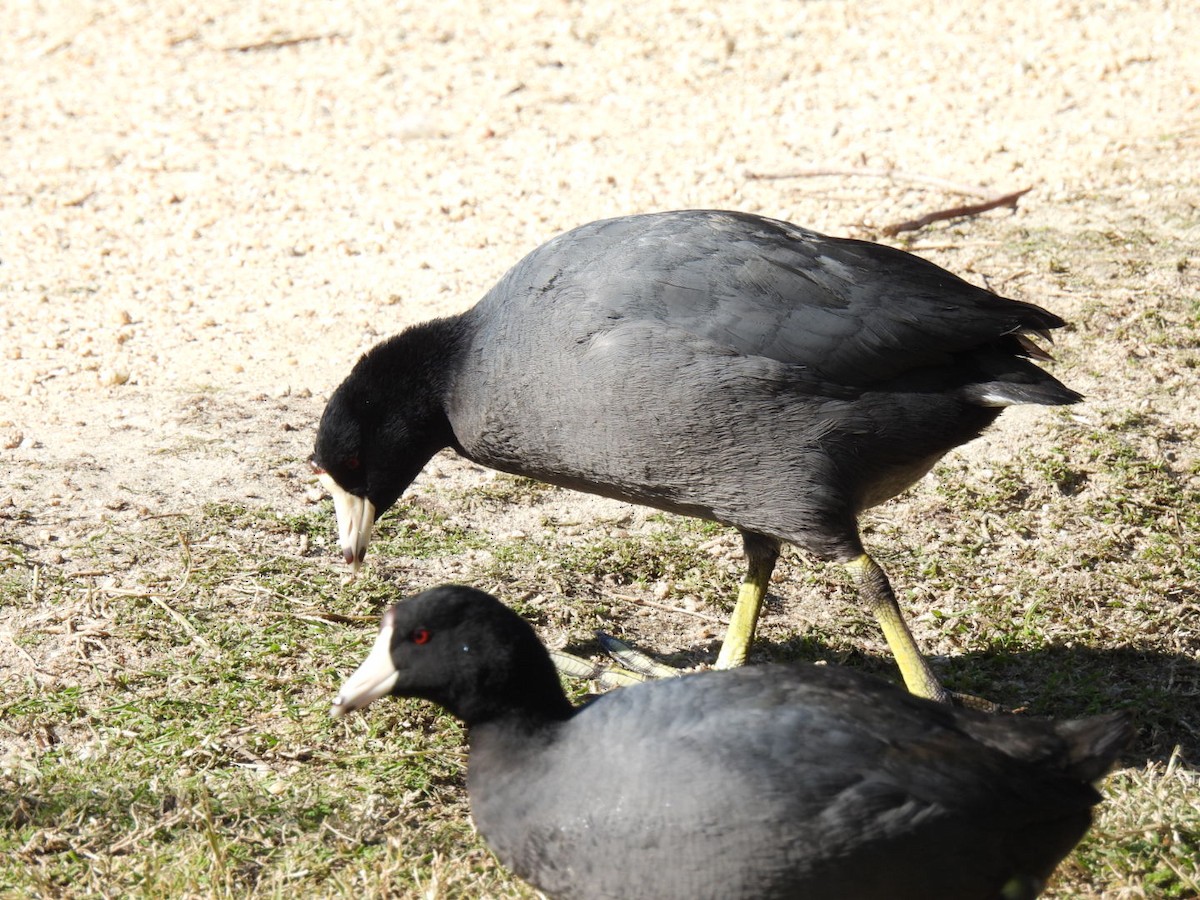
633,665
876,590
761,554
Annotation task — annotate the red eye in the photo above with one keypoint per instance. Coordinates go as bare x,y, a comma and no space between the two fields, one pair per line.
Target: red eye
420,636
352,462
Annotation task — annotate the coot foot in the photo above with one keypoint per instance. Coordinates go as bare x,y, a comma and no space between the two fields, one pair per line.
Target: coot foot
607,675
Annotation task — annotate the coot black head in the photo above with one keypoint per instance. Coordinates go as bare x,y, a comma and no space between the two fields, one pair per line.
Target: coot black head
759,782
707,363
381,426
461,649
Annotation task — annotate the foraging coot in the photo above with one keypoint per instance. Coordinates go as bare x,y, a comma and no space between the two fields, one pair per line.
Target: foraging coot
759,782
712,364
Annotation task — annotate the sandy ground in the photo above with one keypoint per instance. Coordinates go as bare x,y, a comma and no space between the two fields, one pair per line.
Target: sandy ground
209,211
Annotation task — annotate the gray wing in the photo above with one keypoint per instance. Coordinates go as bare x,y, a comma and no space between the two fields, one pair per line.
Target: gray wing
851,312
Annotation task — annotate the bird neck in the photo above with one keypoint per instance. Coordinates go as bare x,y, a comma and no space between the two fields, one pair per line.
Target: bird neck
522,697
424,359
509,735
424,353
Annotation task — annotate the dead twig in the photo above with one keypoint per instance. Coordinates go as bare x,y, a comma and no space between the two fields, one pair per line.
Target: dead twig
400,754
949,245
155,597
21,650
955,212
279,43
671,609
143,834
332,617
953,187
66,39
180,618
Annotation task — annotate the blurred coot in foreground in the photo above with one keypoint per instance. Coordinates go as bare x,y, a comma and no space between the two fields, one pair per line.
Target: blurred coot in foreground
758,782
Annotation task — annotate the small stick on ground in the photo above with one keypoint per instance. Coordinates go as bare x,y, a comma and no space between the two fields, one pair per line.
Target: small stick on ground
138,836
25,653
155,597
279,42
950,245
671,609
319,615
180,618
955,212
969,190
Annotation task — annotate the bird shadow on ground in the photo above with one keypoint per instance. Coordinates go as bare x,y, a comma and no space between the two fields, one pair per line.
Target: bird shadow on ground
1162,690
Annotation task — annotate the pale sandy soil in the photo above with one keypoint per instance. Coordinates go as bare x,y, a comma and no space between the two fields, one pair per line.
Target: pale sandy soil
227,228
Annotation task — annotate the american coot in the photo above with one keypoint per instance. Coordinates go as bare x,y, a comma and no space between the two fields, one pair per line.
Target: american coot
713,364
759,782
